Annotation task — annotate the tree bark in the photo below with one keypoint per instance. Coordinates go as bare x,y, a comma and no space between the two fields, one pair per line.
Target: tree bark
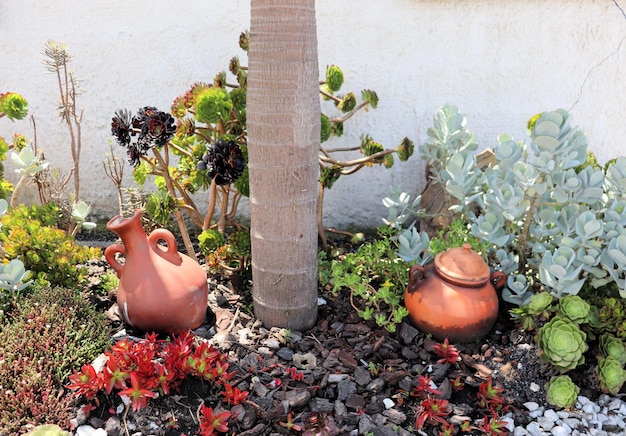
283,122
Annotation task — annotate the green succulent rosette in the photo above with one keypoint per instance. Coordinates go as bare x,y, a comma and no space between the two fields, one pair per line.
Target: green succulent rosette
561,392
574,308
334,78
13,105
612,346
540,303
611,374
210,240
562,343
405,149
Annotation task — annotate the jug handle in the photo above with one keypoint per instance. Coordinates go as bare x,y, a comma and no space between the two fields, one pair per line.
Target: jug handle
416,273
171,253
109,255
498,279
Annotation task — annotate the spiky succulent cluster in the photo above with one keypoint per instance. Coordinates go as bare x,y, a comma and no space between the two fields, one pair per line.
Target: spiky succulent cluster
562,343
561,391
151,127
224,162
611,312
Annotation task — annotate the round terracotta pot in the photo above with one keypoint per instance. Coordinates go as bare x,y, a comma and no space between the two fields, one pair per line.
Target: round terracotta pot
454,297
160,289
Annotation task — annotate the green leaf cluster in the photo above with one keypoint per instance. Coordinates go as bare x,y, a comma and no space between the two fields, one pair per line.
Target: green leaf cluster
375,280
53,256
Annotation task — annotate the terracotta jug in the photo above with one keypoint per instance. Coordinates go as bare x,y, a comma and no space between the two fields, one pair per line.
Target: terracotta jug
454,297
160,289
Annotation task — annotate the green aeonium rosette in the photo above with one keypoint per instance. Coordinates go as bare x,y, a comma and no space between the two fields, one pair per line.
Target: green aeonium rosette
561,391
612,346
610,374
574,308
562,343
540,304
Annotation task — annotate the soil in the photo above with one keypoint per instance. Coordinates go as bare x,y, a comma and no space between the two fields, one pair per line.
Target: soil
355,375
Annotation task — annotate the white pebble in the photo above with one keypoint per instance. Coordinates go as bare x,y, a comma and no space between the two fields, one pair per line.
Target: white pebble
531,405
582,400
551,415
388,402
591,408
536,413
87,430
535,387
545,423
510,422
614,404
571,422
534,429
560,431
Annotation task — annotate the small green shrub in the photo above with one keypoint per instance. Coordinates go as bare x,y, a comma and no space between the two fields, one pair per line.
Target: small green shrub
47,335
376,279
30,234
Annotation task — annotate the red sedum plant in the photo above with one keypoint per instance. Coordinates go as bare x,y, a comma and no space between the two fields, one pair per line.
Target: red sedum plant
145,369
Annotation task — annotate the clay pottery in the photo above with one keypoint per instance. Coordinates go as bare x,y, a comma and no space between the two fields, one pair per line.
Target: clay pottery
160,289
455,296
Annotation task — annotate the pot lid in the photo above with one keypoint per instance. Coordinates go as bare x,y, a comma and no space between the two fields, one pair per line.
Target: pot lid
462,266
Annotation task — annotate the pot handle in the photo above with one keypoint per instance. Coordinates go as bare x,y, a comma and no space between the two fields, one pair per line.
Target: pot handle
109,255
416,273
171,253
498,279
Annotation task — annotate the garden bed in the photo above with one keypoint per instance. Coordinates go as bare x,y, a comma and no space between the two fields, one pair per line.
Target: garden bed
353,372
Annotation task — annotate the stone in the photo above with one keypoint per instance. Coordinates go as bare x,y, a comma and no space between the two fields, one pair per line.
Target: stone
304,361
531,406
345,388
355,401
321,405
87,430
341,412
395,416
407,333
366,425
376,385
336,378
298,397
272,343
362,376
113,426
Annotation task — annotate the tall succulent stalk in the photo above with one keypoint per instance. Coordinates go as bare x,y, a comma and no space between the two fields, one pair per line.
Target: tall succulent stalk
57,61
523,237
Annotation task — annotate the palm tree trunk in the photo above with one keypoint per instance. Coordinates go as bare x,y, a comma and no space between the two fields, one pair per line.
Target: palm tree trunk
283,121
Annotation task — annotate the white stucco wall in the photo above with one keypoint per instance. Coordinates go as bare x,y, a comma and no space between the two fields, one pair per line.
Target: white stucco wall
499,61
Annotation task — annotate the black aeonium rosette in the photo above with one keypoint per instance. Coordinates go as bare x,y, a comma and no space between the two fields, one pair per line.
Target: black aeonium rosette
154,128
224,161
